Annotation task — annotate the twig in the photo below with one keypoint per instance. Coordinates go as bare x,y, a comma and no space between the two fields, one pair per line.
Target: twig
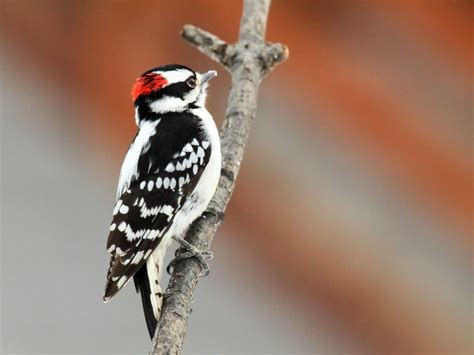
248,61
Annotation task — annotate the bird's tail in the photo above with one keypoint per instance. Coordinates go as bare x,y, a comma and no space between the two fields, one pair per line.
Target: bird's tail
147,284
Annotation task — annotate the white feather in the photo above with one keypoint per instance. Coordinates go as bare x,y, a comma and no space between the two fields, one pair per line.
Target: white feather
175,76
129,166
168,104
154,267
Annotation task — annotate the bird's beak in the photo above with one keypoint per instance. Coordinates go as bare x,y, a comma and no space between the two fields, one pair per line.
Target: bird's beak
208,76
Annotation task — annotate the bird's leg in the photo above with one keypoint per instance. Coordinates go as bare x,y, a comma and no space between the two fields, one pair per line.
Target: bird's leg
191,252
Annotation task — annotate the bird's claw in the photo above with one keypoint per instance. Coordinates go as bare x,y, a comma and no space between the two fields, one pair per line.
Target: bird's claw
191,252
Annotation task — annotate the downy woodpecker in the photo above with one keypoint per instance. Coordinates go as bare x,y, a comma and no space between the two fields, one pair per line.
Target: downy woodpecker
168,177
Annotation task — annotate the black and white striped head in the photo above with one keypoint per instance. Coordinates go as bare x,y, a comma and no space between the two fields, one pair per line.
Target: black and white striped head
169,88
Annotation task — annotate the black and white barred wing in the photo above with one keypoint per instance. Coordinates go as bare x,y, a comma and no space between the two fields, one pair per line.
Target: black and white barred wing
144,213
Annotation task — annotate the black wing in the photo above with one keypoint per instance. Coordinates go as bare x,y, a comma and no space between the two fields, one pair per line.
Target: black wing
167,174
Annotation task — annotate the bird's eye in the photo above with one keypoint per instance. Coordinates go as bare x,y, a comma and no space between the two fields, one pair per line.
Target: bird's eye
191,82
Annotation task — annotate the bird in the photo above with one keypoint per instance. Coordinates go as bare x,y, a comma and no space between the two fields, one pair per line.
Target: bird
167,179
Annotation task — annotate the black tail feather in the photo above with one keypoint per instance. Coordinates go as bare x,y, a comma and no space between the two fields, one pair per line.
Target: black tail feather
142,286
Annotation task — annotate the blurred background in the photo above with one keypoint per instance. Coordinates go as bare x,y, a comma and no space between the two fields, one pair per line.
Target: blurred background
350,230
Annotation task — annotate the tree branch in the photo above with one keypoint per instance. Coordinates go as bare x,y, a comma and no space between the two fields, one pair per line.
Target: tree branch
209,44
248,61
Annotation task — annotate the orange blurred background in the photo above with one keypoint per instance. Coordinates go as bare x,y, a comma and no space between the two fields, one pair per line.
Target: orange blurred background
350,230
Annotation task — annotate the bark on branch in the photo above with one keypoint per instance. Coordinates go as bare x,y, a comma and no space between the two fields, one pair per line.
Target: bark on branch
248,61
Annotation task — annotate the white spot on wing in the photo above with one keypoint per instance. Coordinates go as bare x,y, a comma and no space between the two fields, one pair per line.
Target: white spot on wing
121,281
124,209
150,185
117,206
188,148
195,169
159,181
138,257
166,182
152,234
200,152
131,235
205,144
146,212
167,210
193,158
112,227
172,183
170,167
142,185
119,251
122,226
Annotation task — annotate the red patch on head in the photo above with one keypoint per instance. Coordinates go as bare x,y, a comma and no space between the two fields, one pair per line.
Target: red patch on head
146,84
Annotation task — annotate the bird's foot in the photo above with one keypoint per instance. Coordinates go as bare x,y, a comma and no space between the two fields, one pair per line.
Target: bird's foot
191,252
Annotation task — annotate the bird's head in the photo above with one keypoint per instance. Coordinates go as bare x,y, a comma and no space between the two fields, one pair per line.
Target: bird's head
169,88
